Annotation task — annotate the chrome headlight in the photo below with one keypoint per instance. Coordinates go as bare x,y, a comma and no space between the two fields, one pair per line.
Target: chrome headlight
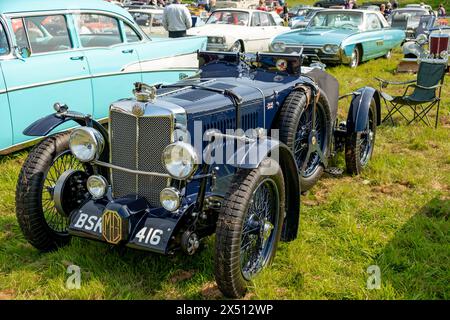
444,55
86,144
97,186
278,46
218,40
421,39
170,199
330,48
180,160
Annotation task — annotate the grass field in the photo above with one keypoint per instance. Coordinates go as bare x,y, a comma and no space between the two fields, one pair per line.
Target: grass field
394,216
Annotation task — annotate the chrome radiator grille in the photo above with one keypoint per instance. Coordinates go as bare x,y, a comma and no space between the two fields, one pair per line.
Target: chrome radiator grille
138,143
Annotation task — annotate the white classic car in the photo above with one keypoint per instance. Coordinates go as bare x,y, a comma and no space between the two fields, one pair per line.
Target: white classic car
243,4
239,30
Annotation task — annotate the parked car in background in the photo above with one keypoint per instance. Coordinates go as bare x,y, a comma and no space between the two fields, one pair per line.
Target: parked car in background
150,20
420,6
329,3
412,17
369,7
341,36
238,4
299,10
239,30
301,21
82,53
277,18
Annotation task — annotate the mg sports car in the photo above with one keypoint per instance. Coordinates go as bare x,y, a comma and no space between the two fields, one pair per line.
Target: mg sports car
226,152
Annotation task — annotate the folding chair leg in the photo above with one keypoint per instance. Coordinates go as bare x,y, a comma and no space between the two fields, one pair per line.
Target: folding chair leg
437,114
422,116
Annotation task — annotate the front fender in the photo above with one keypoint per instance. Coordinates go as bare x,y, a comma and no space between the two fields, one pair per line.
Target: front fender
45,125
250,157
359,109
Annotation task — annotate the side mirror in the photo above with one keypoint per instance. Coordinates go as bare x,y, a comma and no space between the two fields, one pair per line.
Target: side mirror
22,53
25,52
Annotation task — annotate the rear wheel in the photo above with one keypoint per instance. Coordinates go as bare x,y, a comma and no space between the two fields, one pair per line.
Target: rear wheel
359,146
237,47
299,133
355,57
248,228
388,54
42,224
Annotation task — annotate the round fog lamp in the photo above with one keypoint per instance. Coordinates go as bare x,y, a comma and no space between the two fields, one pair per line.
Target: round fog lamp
97,186
170,199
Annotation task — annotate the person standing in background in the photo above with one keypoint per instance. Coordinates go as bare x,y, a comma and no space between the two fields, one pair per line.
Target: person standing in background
395,4
204,4
441,11
176,19
262,6
388,10
212,5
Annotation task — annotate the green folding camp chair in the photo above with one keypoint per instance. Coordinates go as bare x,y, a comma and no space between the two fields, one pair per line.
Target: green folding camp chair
426,94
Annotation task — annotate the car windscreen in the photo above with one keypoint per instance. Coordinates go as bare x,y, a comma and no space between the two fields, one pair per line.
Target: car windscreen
339,20
413,15
229,17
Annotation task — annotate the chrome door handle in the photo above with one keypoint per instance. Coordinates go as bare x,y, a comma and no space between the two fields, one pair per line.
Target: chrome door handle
128,51
77,58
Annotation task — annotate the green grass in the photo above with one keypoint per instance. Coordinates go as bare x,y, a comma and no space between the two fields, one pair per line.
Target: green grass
395,215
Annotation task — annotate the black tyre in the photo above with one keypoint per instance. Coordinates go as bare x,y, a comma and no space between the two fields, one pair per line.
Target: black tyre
295,125
237,47
355,58
42,225
388,54
359,145
248,228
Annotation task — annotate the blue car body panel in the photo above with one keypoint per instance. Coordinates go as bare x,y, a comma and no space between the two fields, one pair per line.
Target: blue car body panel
85,78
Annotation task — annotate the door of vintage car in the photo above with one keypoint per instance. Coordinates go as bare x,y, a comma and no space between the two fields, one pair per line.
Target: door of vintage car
5,115
258,38
113,60
374,38
55,71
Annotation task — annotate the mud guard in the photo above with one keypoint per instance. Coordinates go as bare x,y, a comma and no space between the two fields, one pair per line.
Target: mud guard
45,125
359,109
250,157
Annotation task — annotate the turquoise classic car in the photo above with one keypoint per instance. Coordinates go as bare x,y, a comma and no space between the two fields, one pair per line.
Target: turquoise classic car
84,53
342,36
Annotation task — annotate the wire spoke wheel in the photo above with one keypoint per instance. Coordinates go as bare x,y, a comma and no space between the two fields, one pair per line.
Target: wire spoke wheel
359,145
63,162
258,229
366,140
249,227
302,137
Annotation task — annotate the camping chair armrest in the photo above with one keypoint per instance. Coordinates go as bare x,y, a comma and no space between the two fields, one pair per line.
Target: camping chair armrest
384,83
427,88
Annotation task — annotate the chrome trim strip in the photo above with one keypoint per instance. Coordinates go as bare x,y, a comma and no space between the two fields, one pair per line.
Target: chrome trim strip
100,75
137,172
20,146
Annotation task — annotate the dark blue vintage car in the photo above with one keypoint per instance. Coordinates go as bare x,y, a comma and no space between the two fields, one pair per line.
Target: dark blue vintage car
226,152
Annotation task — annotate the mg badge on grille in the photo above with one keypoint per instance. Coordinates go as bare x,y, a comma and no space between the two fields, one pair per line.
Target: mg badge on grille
138,110
112,226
